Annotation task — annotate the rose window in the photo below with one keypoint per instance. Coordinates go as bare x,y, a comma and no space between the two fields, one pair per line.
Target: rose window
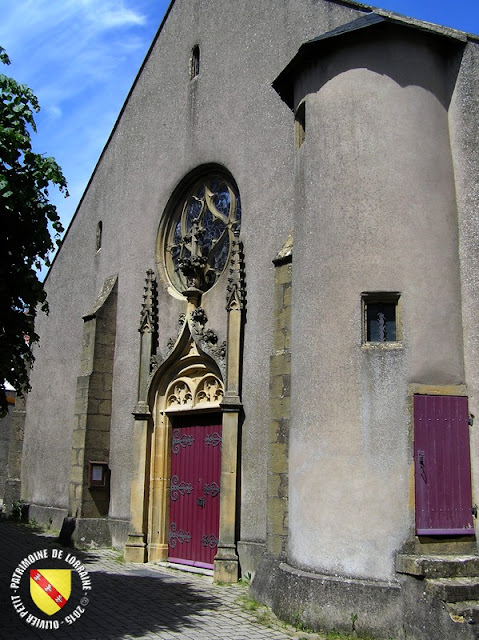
198,238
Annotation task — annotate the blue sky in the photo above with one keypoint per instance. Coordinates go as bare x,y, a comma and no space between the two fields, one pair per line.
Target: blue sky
80,57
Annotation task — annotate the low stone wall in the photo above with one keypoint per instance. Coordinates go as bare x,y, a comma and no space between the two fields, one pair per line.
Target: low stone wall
399,610
49,517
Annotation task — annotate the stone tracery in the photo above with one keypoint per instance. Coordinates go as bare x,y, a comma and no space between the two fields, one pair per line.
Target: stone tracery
199,236
195,390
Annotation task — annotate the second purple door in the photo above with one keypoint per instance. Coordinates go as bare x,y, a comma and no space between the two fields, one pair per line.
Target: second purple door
442,466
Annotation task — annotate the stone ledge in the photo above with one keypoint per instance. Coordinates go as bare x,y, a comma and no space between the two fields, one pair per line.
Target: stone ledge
86,533
50,517
326,602
327,578
453,589
438,566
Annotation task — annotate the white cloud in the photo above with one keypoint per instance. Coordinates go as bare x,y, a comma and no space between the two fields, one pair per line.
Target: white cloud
54,111
111,17
80,58
104,14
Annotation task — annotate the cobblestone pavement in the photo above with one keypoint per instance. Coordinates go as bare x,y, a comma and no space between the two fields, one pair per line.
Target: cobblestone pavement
126,601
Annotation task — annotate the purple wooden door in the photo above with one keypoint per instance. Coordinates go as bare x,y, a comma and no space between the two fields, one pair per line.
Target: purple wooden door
195,492
442,466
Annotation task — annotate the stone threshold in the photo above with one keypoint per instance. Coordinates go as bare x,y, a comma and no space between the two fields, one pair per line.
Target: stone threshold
186,568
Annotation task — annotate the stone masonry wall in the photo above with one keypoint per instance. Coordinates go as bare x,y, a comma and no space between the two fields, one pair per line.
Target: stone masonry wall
12,489
91,434
280,391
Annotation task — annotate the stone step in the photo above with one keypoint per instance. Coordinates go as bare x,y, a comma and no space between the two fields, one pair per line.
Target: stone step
453,589
438,566
464,612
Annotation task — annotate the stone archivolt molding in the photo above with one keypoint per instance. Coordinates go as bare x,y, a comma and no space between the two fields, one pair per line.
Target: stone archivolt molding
196,340
194,391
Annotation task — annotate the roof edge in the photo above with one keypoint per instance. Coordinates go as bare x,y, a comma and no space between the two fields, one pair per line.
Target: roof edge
368,20
114,128
429,26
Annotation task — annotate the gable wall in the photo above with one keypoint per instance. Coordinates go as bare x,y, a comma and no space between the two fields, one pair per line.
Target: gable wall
231,117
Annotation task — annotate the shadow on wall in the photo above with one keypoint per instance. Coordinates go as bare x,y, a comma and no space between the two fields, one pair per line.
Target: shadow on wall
393,50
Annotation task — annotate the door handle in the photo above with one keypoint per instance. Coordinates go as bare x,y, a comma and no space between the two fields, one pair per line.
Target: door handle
422,465
201,502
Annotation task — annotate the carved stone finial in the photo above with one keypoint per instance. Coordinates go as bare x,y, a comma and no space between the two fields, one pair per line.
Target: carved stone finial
193,267
206,339
148,316
236,289
198,316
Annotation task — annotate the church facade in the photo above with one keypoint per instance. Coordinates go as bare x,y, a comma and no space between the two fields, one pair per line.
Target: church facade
261,355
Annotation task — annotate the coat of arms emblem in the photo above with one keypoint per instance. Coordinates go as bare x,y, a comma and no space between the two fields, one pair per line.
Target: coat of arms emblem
50,588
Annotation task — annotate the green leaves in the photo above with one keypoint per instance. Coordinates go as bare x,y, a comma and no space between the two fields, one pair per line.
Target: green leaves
31,229
3,56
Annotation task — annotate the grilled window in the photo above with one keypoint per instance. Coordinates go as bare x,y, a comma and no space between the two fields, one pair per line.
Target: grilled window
197,240
380,317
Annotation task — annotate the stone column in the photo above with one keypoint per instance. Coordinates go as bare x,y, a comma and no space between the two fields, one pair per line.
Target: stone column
135,548
226,560
226,564
160,485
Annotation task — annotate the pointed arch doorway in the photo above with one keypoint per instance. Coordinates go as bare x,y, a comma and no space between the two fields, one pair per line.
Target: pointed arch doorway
198,249
184,519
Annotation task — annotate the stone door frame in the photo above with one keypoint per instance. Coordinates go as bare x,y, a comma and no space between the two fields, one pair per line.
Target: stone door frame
190,378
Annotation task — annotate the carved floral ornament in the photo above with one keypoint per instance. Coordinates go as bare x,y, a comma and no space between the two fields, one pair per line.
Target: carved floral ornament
186,393
196,241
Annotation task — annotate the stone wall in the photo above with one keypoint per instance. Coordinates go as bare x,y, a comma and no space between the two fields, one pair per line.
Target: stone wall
280,392
12,491
91,434
4,444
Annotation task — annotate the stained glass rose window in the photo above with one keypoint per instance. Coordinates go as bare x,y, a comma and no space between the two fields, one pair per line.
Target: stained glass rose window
197,239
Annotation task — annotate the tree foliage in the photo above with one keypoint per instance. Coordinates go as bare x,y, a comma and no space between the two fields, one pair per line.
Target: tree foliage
30,230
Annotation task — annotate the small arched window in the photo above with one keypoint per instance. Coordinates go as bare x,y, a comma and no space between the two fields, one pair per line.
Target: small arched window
99,233
195,62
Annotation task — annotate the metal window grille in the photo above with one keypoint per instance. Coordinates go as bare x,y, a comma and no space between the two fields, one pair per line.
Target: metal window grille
381,322
380,317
